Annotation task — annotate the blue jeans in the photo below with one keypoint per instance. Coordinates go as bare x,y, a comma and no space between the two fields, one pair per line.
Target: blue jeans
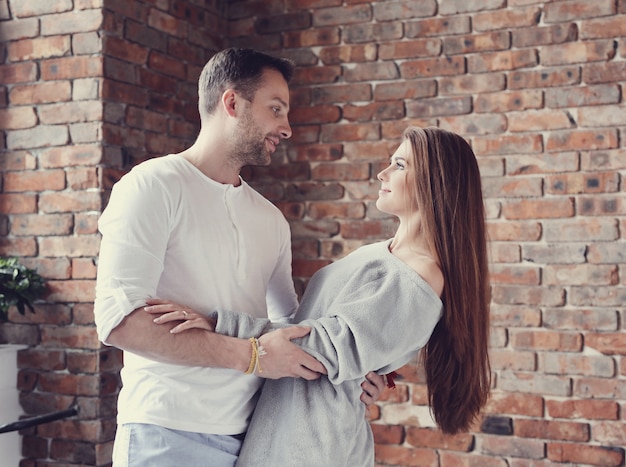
143,445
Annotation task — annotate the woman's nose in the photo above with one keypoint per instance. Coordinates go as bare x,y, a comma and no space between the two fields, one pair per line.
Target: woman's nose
380,174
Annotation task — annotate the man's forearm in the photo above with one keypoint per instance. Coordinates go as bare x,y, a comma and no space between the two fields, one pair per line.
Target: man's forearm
138,334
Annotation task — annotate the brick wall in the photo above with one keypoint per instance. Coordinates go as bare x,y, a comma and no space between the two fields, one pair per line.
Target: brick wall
87,89
90,87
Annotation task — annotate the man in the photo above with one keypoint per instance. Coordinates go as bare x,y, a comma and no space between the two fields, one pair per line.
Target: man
185,227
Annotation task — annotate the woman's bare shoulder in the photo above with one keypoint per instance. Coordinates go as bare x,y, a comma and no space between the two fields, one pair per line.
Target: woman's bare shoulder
429,270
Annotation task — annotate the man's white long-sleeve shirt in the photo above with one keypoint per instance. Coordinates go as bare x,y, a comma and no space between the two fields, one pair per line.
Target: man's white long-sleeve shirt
173,233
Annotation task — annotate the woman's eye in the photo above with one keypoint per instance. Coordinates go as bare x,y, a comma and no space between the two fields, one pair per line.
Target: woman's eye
276,110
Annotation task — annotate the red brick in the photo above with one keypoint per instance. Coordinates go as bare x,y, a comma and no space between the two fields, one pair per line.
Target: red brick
410,89
586,409
350,132
516,361
577,52
34,180
409,49
457,24
341,93
363,32
511,230
411,457
601,205
539,120
166,23
18,73
336,210
577,10
538,209
582,274
83,245
315,114
476,43
599,388
608,27
515,295
443,106
576,453
403,10
313,153
39,359
312,37
610,433
430,67
371,72
587,230
572,364
582,96
387,434
71,22
581,319
374,111
368,229
18,203
379,151
72,291
547,77
82,178
530,405
16,118
500,61
69,202
40,93
608,72
70,68
507,144
606,343
124,50
38,224
70,112
608,115
20,29
519,275
546,341
348,54
542,35
552,430
509,446
435,439
511,101
343,15
507,19
469,84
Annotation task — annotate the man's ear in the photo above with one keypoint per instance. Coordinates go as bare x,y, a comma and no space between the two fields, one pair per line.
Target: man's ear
230,102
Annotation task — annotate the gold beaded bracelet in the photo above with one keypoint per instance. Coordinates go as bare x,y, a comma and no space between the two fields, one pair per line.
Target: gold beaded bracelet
257,351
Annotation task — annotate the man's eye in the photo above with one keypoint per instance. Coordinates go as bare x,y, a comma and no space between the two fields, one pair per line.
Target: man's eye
276,110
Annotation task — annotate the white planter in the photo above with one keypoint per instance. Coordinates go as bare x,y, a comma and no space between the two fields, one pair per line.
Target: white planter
10,409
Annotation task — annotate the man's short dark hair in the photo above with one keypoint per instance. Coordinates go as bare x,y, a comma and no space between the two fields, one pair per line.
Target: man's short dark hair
240,69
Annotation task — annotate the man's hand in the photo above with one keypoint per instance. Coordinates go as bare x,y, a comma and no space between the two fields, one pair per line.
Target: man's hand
283,358
373,385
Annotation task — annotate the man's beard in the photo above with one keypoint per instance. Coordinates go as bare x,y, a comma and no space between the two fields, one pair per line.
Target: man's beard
250,147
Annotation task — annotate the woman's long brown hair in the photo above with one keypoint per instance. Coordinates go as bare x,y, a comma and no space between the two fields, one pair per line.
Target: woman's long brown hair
449,197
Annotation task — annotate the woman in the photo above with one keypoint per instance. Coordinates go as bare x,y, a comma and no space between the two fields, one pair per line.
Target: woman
426,288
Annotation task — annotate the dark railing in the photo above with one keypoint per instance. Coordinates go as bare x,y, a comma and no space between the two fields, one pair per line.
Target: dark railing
38,420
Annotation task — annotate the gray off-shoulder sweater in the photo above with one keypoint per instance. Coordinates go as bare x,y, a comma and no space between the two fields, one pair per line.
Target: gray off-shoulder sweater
367,311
